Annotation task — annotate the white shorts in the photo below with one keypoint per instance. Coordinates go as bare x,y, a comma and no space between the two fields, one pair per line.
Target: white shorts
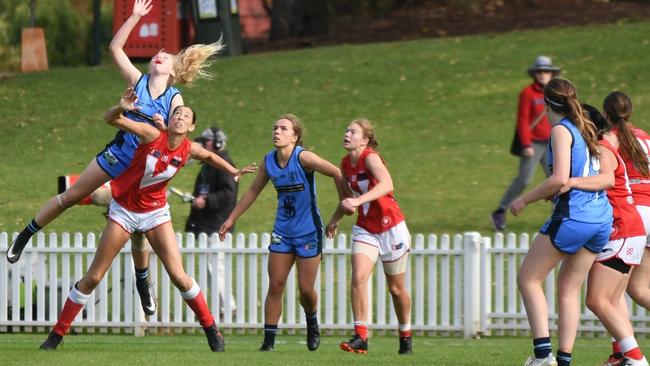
392,244
138,221
629,250
644,212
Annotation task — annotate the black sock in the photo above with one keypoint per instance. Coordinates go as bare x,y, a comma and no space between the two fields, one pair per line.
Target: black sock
141,274
542,347
563,358
270,331
499,211
29,230
312,319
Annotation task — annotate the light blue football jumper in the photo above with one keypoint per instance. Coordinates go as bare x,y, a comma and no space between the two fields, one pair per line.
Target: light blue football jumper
117,155
298,225
580,218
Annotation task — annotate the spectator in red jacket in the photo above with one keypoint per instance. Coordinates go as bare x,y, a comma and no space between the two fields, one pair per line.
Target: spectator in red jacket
532,135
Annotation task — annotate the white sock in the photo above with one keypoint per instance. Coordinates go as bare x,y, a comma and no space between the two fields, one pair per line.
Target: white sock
192,292
77,296
404,327
628,344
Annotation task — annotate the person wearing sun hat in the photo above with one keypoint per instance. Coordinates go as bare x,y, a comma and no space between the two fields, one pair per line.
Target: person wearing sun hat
531,136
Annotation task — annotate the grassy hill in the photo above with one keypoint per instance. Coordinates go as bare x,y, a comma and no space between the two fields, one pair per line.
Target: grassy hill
444,111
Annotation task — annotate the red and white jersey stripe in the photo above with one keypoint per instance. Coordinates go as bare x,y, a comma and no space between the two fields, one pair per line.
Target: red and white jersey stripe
376,216
143,185
640,185
627,221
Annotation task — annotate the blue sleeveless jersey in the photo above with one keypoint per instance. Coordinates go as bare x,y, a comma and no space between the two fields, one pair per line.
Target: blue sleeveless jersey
576,204
124,144
297,214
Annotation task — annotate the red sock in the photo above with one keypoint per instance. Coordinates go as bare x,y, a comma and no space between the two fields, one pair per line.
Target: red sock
616,348
200,308
69,312
634,353
406,333
361,330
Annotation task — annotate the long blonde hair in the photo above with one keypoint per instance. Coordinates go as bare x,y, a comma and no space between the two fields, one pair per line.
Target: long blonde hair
192,62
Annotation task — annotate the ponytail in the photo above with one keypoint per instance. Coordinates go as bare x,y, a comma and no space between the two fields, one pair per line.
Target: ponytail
192,62
560,95
584,125
618,108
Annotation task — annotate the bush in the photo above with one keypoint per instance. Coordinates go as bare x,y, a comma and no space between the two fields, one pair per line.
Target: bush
65,29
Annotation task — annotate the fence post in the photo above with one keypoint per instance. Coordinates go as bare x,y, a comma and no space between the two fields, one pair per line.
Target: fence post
486,284
472,302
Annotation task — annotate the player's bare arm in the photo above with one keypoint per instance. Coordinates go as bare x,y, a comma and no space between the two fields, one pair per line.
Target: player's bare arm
129,72
383,187
561,144
247,199
199,153
114,116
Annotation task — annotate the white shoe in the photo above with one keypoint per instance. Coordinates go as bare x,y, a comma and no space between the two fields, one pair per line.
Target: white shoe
547,361
632,362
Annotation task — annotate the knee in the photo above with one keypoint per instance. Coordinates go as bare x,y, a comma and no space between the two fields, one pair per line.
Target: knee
522,281
70,197
305,288
594,303
636,292
276,285
359,280
396,289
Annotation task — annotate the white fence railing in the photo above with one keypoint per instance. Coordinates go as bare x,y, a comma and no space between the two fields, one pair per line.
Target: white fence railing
460,285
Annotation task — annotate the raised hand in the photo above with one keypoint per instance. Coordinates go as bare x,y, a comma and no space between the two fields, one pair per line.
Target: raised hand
142,7
159,121
127,102
246,170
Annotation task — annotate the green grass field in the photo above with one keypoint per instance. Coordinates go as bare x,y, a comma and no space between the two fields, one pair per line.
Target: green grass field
444,111
22,349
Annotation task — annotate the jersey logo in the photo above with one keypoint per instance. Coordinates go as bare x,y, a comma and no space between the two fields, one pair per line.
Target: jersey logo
176,161
289,207
152,175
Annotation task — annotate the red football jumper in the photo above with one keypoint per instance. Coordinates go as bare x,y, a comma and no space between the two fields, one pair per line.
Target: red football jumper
376,216
143,185
627,221
640,185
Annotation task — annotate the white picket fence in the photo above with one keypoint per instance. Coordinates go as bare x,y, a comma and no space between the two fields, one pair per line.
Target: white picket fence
461,285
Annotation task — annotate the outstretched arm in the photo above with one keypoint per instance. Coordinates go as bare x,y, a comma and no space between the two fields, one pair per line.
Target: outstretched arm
246,200
198,152
129,72
114,117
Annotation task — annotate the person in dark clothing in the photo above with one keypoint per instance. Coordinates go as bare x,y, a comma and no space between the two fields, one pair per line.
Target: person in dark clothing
532,135
215,193
215,196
